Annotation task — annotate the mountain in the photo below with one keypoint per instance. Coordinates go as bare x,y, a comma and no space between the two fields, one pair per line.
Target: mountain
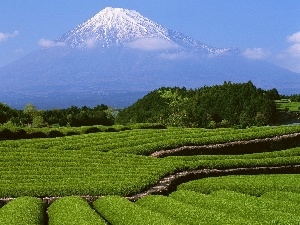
119,55
127,28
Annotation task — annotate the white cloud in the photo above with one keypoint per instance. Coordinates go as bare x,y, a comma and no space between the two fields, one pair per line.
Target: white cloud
290,57
294,38
175,56
6,36
44,43
255,53
89,43
287,61
294,50
152,44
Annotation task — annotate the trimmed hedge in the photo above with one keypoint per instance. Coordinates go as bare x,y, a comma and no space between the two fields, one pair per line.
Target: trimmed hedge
118,210
255,185
73,210
23,210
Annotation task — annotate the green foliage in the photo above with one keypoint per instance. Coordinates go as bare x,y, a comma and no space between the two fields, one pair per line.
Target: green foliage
148,126
10,131
118,210
283,196
96,164
84,116
237,104
247,184
6,113
38,121
23,210
147,141
73,116
288,105
295,97
185,213
266,204
150,109
250,209
73,210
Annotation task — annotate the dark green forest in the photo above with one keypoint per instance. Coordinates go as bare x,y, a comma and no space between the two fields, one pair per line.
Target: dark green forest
227,105
230,104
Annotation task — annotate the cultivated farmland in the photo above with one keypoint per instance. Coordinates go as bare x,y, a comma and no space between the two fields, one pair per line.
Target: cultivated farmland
138,162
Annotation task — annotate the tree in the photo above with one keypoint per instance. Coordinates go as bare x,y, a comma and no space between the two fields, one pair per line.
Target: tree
6,113
29,113
38,121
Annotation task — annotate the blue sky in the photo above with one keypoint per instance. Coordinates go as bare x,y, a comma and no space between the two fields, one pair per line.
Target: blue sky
262,29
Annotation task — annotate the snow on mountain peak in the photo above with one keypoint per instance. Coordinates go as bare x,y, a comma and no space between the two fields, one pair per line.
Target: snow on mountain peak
124,27
114,26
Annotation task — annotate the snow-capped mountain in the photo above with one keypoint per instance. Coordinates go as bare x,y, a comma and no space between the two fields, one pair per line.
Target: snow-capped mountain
128,28
118,55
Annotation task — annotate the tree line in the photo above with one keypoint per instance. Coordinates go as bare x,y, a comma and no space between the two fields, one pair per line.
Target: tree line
226,105
230,104
73,116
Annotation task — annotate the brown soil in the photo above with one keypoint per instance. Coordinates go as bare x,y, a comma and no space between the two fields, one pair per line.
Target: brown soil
169,184
235,147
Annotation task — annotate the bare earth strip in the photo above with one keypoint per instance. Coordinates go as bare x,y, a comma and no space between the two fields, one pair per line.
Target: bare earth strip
169,184
235,147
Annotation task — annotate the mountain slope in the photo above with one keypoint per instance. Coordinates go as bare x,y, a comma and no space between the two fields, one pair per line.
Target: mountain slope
119,51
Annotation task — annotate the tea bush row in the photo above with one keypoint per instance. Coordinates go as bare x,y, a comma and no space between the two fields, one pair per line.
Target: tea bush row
255,185
145,142
23,210
65,173
253,209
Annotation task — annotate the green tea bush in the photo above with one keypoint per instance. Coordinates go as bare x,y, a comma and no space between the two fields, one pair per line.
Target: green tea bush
185,213
118,210
240,206
255,185
73,210
23,210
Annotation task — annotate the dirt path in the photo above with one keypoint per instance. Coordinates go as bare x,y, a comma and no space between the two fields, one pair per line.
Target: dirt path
235,147
169,184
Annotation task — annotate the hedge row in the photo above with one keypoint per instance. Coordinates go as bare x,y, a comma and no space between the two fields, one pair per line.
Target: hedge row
255,185
186,214
118,210
147,141
251,209
16,133
180,207
73,210
23,210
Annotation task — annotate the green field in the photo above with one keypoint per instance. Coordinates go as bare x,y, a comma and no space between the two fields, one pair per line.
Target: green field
287,105
116,164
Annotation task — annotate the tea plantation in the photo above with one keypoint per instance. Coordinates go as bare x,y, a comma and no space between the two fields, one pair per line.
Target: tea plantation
100,178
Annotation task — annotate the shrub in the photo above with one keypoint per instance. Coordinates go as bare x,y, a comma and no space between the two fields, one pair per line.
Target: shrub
55,133
148,126
73,210
6,134
23,210
37,134
92,130
111,129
